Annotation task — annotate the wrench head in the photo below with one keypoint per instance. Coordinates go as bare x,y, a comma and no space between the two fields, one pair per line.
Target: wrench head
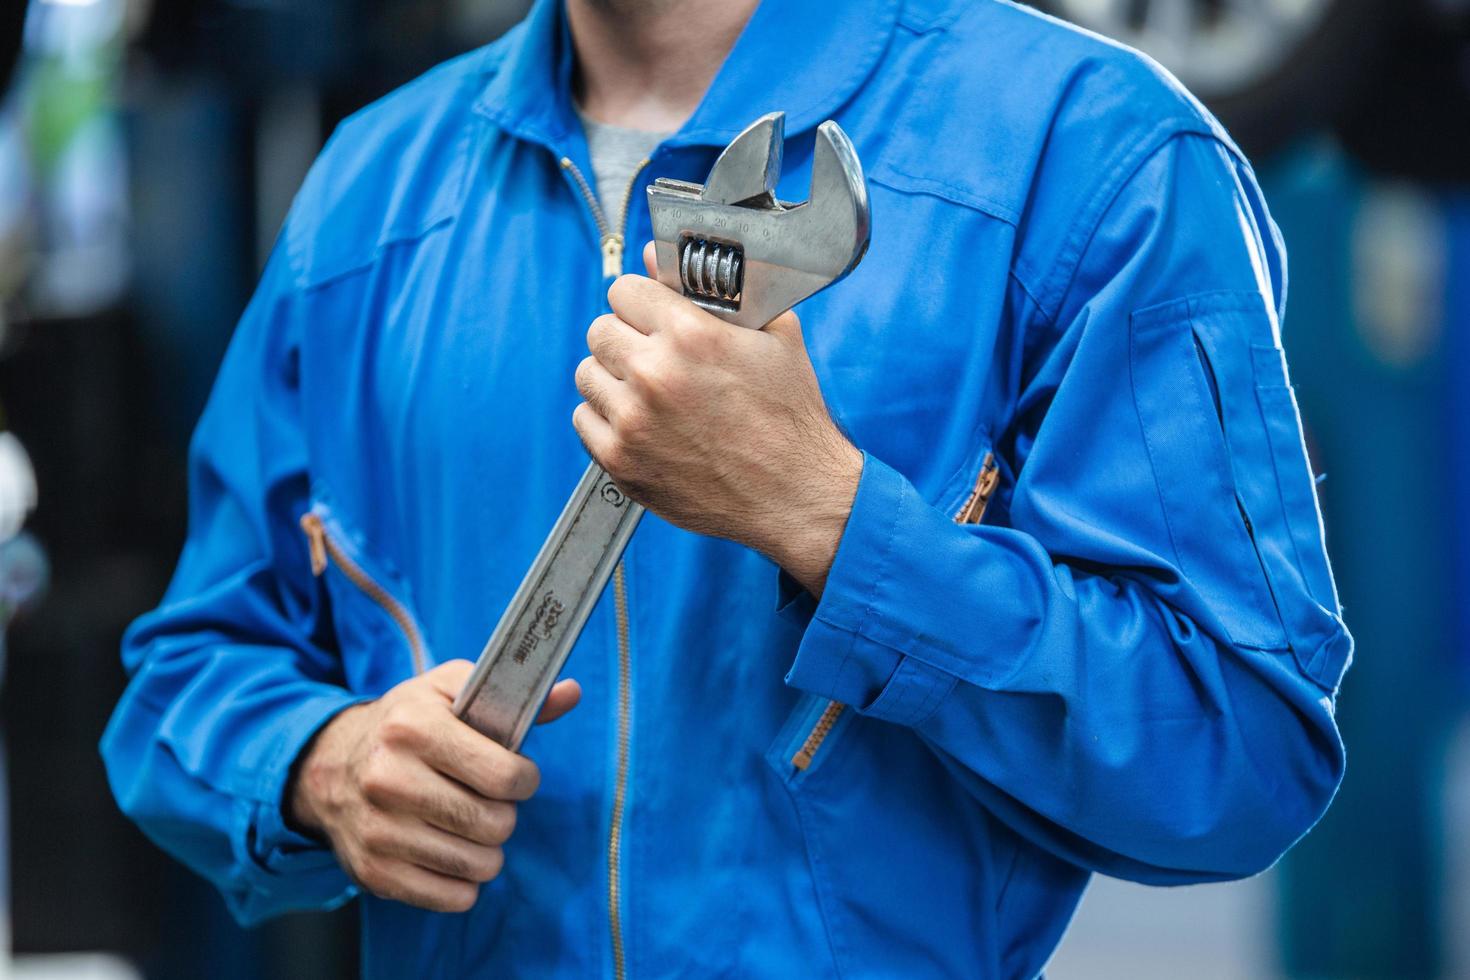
746,172
732,248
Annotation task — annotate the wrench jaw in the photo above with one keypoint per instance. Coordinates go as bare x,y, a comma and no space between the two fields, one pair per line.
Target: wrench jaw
780,253
839,196
746,171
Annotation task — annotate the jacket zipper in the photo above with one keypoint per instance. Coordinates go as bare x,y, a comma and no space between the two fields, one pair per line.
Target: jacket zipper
620,791
323,546
970,512
611,242
612,266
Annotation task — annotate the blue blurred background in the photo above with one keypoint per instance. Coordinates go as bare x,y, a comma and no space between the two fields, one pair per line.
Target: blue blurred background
148,152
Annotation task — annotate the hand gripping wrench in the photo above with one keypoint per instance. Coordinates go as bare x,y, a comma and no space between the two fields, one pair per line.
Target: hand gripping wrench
732,248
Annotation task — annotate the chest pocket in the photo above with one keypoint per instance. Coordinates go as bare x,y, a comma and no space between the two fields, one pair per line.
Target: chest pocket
1225,441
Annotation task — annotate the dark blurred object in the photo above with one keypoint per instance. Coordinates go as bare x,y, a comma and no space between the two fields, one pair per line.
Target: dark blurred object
1391,73
352,47
1414,119
221,105
12,21
258,43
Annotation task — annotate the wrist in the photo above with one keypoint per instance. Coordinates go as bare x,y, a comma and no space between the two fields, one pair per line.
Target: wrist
311,778
805,538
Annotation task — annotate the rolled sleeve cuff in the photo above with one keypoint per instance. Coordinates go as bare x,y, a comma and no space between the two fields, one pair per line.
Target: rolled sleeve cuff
837,657
275,851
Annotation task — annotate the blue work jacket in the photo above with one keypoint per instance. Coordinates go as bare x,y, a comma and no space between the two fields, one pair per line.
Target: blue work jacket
1080,619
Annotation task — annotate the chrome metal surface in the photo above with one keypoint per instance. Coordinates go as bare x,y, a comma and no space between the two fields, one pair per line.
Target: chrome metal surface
535,634
787,251
735,250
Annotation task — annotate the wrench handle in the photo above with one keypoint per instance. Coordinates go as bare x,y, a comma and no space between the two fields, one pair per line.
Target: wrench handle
535,635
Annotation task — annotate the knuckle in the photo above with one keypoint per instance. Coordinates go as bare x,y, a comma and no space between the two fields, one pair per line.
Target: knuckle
456,865
492,865
648,375
616,292
371,874
455,672
502,775
401,726
375,835
664,381
632,423
656,384
614,459
692,335
583,375
498,823
459,897
506,823
599,330
637,369
622,287
462,815
527,777
377,781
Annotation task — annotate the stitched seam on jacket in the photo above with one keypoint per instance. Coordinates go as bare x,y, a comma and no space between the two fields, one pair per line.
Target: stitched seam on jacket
933,187
938,20
940,684
1287,402
879,575
1148,442
805,818
927,658
468,143
304,288
900,709
1057,282
915,686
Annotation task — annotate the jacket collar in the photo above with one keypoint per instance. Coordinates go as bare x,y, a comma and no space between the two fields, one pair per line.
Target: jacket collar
801,56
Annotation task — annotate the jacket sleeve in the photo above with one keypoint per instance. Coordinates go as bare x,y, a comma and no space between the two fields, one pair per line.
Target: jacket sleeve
1133,661
228,680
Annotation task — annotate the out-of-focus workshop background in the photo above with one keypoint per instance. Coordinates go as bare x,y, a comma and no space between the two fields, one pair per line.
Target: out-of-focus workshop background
148,152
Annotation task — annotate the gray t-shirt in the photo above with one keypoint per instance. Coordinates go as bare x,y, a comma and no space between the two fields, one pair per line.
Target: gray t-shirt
616,153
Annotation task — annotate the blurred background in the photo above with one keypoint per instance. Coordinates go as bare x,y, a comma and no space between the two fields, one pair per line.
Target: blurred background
148,153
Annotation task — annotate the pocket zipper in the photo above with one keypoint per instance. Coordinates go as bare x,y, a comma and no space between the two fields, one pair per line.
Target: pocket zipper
985,483
324,547
971,512
817,735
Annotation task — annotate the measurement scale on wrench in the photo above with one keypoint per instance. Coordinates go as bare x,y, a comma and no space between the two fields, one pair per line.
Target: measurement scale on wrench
732,248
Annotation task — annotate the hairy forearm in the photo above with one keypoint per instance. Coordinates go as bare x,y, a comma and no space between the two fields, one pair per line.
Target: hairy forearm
802,532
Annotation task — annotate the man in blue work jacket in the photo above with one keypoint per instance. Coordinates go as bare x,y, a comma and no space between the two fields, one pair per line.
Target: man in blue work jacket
1002,567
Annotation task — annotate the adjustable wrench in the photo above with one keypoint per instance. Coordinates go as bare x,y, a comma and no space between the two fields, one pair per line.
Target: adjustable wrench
732,248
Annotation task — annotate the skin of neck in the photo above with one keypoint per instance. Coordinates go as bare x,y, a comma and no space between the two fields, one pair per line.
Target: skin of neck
646,64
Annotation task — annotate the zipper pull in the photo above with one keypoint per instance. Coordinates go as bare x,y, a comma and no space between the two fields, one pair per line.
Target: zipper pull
316,541
612,256
985,484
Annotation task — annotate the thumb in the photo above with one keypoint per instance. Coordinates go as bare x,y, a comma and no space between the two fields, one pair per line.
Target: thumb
650,260
563,698
449,677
